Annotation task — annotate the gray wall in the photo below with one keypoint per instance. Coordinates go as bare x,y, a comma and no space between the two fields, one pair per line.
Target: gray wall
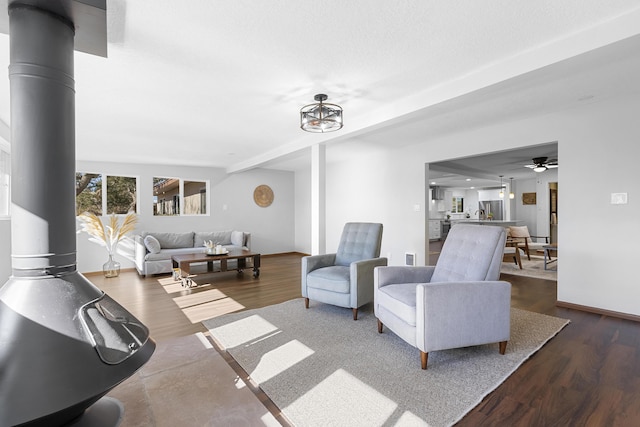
272,228
231,208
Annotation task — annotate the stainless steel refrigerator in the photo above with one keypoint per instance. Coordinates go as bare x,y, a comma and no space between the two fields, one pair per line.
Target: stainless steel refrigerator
494,207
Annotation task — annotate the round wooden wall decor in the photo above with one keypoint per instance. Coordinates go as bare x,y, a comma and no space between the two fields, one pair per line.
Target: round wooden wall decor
263,195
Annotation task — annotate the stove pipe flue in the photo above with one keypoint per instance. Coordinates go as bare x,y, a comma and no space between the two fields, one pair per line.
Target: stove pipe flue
63,343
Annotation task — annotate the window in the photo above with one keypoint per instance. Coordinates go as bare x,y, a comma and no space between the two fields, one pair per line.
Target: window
195,198
121,195
170,194
88,193
110,194
457,205
5,180
166,196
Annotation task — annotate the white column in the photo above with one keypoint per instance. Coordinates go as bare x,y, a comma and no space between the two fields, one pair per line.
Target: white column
318,200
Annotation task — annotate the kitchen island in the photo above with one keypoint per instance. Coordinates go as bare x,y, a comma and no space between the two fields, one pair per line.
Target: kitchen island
502,223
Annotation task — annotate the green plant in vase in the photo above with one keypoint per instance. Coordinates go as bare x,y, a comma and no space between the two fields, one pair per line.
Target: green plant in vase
110,235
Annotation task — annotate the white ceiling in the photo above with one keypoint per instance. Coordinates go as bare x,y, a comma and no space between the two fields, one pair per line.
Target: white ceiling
220,83
484,171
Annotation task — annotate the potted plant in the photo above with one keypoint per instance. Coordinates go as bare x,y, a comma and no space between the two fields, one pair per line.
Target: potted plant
110,236
489,216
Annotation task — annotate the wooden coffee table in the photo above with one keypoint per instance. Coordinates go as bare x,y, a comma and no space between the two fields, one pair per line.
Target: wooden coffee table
183,262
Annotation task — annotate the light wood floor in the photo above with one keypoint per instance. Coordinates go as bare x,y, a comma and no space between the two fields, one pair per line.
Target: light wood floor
588,375
155,300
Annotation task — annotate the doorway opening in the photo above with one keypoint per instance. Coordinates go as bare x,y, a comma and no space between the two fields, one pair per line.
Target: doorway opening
477,181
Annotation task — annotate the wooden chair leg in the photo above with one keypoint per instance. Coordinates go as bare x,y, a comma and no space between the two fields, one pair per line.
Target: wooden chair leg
306,303
380,325
423,359
355,314
503,347
518,259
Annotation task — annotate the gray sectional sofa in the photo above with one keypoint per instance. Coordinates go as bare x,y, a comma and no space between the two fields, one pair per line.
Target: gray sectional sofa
153,250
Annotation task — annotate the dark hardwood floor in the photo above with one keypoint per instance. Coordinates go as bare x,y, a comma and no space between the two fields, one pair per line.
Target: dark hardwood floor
588,375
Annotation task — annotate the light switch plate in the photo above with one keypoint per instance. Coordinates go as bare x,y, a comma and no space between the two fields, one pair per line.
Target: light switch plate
618,198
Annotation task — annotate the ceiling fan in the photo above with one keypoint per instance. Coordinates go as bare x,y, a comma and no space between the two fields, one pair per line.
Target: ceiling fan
541,164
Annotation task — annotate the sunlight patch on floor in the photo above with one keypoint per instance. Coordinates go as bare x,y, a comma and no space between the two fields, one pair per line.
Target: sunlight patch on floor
410,419
196,298
344,393
279,360
212,309
243,331
171,286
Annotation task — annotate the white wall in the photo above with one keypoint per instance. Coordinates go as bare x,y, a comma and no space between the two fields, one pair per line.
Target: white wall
379,186
598,255
597,260
543,215
5,250
527,214
303,212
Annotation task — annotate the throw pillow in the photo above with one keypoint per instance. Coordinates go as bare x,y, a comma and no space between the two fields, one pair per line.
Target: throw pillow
237,238
152,244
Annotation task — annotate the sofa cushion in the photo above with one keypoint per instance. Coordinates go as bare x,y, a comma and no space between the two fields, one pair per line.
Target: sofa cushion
334,278
219,237
152,244
174,240
166,254
399,299
237,239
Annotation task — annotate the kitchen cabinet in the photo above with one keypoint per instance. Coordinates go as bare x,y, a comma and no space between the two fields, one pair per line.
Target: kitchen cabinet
434,229
437,193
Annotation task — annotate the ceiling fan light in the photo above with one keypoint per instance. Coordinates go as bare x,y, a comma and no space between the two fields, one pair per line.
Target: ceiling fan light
540,168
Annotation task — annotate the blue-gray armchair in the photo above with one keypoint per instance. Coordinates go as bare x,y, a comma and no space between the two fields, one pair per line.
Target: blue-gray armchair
345,278
459,302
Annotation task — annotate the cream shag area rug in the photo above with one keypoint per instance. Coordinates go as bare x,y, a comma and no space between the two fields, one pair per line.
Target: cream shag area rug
322,368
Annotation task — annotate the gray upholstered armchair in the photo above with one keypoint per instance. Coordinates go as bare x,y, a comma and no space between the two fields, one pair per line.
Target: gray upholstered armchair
345,278
459,302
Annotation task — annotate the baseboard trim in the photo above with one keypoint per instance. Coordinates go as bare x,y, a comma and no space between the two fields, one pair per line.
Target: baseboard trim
99,273
599,311
282,253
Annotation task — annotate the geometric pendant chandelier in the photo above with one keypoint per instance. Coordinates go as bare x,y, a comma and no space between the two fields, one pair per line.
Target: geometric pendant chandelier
321,117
